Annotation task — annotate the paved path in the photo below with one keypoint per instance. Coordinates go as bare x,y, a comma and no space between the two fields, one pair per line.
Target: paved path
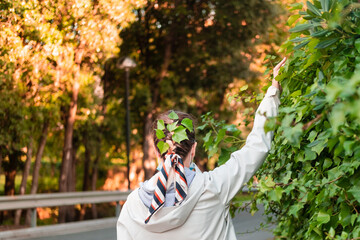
243,222
246,226
102,234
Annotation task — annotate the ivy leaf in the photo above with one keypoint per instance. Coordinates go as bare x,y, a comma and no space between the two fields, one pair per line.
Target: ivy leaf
275,195
345,215
357,44
318,148
212,150
208,139
294,209
171,127
269,182
179,134
312,136
220,136
163,147
202,127
337,116
323,217
186,122
225,155
159,134
267,185
353,218
327,163
309,154
355,191
173,115
270,124
313,58
160,125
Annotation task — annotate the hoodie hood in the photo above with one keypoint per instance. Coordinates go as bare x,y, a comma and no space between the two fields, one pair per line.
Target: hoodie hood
166,218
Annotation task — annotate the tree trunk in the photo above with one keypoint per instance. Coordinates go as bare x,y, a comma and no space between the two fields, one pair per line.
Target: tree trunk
72,172
66,158
149,162
39,154
86,177
1,160
70,212
24,178
10,182
93,183
87,162
37,164
10,172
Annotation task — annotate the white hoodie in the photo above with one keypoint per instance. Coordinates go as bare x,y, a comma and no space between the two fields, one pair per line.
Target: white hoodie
204,214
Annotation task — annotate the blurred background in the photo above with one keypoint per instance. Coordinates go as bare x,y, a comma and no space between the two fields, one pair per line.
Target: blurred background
63,85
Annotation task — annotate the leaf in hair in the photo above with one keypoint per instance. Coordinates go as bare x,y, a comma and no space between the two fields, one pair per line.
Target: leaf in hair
179,134
159,134
173,115
186,122
163,147
171,127
160,125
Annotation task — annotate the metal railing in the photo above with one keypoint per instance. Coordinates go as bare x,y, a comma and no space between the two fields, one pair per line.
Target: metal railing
34,201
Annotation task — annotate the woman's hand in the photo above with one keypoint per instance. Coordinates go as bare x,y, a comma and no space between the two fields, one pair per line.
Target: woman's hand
276,72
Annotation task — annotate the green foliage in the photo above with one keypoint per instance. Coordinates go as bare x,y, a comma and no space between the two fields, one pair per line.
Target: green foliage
311,179
221,139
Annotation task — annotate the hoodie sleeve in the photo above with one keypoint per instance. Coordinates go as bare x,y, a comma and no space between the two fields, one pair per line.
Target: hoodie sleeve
227,179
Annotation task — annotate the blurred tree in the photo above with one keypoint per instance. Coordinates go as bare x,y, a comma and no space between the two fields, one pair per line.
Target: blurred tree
50,52
20,94
188,52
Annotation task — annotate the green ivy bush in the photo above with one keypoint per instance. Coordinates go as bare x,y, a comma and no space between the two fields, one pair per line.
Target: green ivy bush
310,181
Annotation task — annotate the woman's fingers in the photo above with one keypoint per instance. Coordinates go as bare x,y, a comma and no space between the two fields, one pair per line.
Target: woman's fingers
283,61
276,72
280,64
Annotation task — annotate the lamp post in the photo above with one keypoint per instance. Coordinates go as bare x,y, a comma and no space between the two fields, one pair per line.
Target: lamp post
126,64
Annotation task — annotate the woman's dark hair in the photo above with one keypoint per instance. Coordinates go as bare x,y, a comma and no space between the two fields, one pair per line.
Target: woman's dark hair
183,148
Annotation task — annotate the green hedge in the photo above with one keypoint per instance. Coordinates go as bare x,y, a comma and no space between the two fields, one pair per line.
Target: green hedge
311,179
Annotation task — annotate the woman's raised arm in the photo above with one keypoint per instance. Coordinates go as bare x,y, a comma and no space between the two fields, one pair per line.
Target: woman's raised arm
227,179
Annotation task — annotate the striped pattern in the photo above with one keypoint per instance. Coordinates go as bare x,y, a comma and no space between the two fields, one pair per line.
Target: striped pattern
173,162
